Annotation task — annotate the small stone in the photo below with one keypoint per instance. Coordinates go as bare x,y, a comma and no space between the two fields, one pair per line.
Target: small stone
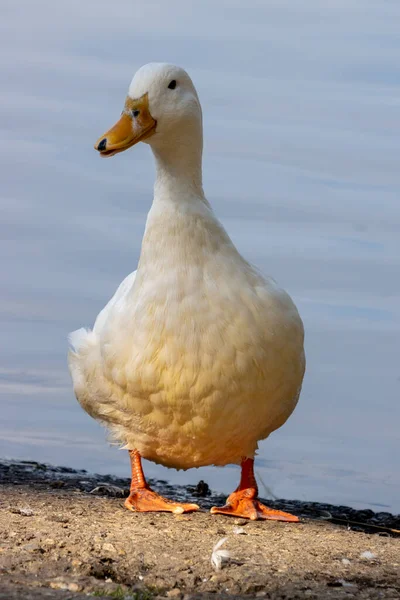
202,489
239,531
105,489
325,515
57,484
59,519
32,547
367,555
74,587
25,512
58,585
345,583
49,542
240,522
346,561
76,563
261,594
175,593
108,547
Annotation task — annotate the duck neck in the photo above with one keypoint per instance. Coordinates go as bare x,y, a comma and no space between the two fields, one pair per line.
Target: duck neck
179,170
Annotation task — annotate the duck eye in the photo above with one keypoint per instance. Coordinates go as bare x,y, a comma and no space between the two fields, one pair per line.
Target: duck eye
172,84
136,113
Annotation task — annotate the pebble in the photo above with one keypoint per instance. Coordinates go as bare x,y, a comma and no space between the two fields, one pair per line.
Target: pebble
76,562
25,512
108,547
240,522
58,483
367,555
32,547
74,587
59,519
175,593
112,491
58,585
325,515
345,583
239,531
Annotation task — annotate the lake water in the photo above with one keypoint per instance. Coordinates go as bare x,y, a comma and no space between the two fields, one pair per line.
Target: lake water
302,128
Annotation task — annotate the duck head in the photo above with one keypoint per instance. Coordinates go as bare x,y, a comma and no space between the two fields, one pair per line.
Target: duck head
162,109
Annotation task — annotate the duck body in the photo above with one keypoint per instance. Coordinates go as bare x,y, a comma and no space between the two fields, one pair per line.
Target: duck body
197,356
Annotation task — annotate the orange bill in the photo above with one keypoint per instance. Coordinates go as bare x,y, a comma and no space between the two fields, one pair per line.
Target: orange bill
135,125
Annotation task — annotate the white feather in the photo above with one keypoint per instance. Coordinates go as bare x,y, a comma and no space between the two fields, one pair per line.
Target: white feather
218,556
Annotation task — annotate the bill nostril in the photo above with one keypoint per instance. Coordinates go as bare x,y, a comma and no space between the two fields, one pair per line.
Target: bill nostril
102,145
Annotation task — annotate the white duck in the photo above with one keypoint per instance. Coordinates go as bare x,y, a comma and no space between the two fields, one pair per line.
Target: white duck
196,357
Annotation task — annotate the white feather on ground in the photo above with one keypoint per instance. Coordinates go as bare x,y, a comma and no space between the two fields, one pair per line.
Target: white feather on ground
218,556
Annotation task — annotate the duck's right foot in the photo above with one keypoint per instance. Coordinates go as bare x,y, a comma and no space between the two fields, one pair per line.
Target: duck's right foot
145,500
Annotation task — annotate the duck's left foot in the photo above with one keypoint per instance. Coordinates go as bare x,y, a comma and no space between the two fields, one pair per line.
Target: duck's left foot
244,503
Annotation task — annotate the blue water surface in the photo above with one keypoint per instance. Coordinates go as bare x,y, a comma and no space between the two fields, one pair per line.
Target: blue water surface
302,144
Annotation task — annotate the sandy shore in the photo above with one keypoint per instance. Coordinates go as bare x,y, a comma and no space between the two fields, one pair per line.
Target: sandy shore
58,540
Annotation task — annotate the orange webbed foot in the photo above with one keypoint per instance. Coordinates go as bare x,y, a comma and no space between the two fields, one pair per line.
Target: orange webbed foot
243,503
145,500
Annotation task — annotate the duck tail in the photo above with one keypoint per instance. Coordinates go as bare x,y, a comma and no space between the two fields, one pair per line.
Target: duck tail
78,338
